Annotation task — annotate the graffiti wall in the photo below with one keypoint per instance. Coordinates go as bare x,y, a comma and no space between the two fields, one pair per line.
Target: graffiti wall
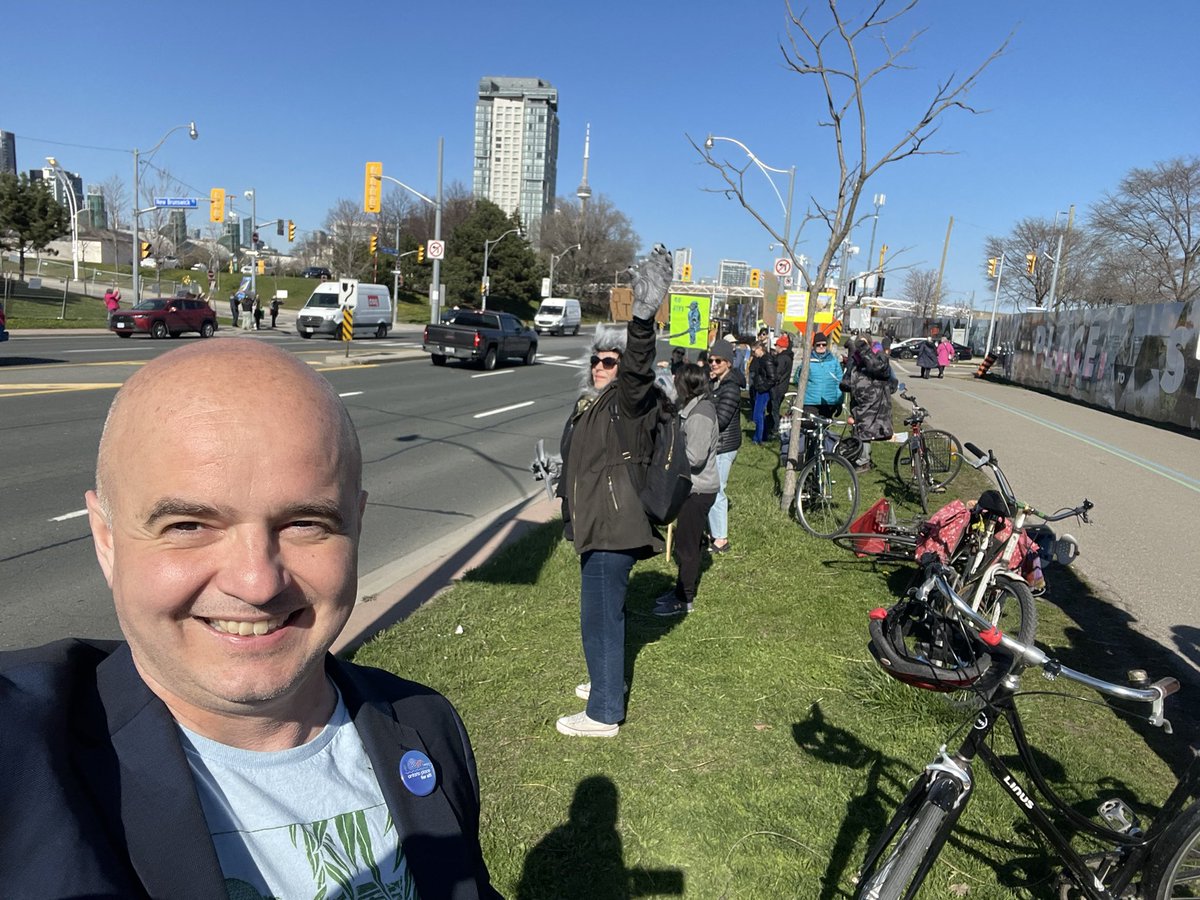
1140,360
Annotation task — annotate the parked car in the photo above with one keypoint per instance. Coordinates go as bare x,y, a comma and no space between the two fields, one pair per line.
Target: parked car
161,317
316,272
907,349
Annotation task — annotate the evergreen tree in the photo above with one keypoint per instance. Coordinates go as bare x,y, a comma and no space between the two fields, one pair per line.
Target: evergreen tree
30,217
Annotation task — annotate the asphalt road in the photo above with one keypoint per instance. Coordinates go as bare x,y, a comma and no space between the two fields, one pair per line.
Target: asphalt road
1141,553
442,447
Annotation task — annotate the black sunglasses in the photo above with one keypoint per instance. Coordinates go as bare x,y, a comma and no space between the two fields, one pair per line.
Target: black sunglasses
609,362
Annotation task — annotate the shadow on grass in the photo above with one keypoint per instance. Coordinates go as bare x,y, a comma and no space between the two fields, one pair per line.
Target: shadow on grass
522,561
584,856
1104,643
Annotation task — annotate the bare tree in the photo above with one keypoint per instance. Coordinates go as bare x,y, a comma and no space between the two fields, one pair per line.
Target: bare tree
115,195
606,239
1154,216
349,228
1039,236
920,289
846,55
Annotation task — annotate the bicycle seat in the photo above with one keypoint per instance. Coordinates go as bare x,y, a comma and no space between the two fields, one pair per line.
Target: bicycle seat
990,501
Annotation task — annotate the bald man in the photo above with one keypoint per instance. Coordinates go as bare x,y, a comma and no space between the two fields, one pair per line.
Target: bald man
220,750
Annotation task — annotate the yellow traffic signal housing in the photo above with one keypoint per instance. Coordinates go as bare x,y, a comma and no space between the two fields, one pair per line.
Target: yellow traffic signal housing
374,244
992,267
145,249
372,187
216,205
687,272
755,277
262,267
420,253
291,230
1030,262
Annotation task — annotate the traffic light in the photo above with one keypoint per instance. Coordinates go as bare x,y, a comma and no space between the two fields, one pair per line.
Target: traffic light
291,230
1030,262
420,253
279,227
755,276
216,208
992,267
262,267
879,286
374,244
145,249
372,187
687,272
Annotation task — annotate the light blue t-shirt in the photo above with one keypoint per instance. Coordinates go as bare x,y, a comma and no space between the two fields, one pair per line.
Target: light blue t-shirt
300,823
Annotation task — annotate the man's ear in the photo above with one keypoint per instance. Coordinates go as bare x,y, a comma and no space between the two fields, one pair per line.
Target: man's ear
102,538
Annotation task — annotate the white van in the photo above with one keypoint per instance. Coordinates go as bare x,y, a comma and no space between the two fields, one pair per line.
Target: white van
322,314
558,315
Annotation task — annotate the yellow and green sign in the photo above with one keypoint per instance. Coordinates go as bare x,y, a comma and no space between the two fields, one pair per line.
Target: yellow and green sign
688,322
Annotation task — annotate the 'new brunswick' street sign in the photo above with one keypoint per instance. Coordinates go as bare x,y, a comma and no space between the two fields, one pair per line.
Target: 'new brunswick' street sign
176,202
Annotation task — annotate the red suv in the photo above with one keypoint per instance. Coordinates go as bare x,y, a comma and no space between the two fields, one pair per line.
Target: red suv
162,316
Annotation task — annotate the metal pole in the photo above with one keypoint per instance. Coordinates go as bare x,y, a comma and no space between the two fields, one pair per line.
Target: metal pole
995,302
135,279
435,289
787,237
1054,273
253,242
553,260
879,200
937,291
396,276
487,248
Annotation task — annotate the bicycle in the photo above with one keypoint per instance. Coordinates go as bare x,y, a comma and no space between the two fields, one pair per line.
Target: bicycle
826,486
930,458
930,641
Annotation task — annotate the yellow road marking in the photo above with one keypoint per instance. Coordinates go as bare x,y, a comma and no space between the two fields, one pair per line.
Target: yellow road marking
26,390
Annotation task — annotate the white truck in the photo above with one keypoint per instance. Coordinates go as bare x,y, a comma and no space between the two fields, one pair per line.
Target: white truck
370,306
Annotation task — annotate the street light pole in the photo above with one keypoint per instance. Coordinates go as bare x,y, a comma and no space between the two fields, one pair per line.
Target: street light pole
435,289
134,256
252,196
487,250
995,302
879,200
554,258
61,177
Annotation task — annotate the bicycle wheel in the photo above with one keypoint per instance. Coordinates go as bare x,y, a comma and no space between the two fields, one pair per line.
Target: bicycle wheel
1173,871
943,453
1011,608
826,495
920,479
898,863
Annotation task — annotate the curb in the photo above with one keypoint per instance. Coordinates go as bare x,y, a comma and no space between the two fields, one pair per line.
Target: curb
394,591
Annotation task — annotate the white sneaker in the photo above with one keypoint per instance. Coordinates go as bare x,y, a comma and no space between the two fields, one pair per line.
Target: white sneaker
581,725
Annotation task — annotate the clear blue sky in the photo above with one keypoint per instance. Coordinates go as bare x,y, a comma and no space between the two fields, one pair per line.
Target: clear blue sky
292,99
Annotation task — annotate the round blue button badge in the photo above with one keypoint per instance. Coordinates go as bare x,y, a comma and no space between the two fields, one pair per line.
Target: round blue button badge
417,774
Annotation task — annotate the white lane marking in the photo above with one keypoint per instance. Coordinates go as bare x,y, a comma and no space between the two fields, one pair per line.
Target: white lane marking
70,515
350,394
566,365
503,409
547,359
122,349
494,372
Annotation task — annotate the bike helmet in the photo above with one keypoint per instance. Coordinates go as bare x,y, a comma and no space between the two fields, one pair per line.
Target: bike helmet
916,644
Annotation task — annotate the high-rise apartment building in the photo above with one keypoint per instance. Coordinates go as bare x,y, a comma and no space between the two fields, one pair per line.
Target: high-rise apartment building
8,152
97,215
516,147
733,273
55,184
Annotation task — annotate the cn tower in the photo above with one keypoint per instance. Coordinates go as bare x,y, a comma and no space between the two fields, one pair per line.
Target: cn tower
583,192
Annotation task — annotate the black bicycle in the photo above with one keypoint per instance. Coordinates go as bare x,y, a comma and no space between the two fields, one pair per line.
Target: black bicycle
936,640
930,458
826,486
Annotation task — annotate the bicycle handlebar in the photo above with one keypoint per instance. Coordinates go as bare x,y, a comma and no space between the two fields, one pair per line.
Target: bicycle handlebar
1028,655
989,460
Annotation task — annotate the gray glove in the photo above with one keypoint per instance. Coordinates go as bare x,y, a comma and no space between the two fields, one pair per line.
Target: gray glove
651,278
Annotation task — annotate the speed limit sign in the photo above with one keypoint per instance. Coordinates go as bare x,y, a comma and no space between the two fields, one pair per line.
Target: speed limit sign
783,267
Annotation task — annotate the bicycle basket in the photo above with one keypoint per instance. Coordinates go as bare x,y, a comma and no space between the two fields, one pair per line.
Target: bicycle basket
915,644
941,453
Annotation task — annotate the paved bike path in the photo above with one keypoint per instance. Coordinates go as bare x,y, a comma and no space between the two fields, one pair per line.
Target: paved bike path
1142,553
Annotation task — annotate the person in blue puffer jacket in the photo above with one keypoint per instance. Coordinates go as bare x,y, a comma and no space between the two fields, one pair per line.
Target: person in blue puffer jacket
823,395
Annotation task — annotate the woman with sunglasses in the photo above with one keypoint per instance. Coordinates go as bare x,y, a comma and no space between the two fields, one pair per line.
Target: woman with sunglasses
602,513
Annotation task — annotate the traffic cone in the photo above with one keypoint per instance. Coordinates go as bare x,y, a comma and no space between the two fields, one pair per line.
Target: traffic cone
988,362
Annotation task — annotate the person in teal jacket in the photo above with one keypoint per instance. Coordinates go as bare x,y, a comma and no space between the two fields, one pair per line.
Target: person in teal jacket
823,395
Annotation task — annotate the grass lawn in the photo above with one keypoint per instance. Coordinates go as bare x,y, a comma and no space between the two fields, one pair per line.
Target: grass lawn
762,746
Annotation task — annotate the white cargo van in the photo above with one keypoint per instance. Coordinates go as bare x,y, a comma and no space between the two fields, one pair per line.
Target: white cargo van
371,305
558,315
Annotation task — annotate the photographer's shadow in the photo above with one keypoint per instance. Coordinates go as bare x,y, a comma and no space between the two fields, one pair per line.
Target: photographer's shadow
583,857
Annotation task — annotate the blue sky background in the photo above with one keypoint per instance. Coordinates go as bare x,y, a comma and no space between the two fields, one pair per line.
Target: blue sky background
292,99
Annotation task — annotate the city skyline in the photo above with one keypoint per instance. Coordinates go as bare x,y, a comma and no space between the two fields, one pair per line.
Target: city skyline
1045,137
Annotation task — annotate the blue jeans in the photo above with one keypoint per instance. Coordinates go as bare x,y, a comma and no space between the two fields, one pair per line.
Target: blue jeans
718,516
761,401
604,576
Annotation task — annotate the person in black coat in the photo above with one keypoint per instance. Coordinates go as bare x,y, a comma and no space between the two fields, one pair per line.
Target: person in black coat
785,361
762,382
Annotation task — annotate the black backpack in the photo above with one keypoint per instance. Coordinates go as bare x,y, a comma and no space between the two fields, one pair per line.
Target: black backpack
664,481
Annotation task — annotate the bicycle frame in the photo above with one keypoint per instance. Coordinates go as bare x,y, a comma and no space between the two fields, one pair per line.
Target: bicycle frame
958,767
